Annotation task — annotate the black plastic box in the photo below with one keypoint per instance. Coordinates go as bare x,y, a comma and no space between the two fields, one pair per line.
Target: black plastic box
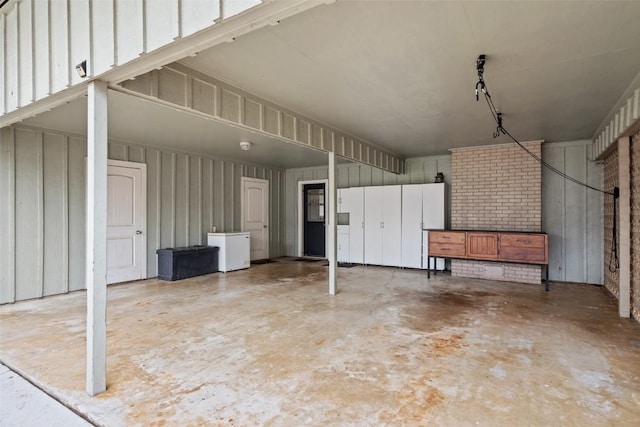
191,261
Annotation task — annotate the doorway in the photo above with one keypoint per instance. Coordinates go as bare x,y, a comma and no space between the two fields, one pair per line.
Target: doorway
126,221
255,215
314,211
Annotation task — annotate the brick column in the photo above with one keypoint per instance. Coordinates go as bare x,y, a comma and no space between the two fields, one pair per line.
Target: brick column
496,187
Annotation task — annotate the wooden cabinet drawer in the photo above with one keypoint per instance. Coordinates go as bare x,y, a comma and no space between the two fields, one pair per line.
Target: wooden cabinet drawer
522,240
454,237
526,255
446,249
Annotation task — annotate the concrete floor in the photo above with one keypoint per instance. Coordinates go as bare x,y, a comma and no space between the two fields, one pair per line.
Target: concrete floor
268,346
24,405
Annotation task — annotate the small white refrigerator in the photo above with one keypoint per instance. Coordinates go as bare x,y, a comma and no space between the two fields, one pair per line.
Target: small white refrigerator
235,250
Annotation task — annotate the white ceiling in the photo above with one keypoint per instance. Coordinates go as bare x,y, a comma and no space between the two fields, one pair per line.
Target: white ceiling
401,74
133,119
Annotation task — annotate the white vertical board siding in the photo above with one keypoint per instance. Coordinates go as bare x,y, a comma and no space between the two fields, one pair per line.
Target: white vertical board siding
7,219
572,215
11,61
129,30
197,15
233,7
42,211
41,41
102,56
41,63
28,214
59,44
25,49
418,170
80,37
161,18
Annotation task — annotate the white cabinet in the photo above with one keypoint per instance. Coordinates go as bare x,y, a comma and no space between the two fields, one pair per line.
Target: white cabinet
412,225
422,208
234,251
351,201
382,225
343,244
433,216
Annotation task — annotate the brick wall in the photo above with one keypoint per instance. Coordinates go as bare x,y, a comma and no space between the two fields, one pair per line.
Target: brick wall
497,187
610,181
635,226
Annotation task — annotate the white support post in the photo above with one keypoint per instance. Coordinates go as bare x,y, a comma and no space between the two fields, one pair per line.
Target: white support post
624,215
333,226
96,222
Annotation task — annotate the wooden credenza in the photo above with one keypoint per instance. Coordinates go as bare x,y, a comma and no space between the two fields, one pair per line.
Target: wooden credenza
502,246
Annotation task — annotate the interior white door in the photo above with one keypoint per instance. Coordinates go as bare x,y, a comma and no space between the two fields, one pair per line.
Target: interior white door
126,221
412,226
255,215
392,225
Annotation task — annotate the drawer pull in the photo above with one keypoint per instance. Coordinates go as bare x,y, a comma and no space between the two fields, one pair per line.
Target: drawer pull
525,241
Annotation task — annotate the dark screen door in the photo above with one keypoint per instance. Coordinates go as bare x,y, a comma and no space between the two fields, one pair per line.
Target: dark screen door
314,212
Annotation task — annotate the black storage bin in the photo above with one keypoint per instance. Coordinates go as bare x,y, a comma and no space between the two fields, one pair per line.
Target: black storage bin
182,263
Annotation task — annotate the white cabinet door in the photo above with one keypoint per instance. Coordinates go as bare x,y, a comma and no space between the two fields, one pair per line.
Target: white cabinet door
373,202
343,243
412,225
353,202
391,225
433,216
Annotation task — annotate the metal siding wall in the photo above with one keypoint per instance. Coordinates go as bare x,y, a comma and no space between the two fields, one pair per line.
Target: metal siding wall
572,215
42,206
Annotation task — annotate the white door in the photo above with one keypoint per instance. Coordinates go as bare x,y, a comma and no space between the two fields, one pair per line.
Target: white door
255,215
126,221
392,225
412,226
373,201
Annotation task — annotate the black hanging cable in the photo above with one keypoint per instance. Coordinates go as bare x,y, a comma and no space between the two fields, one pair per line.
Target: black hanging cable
614,262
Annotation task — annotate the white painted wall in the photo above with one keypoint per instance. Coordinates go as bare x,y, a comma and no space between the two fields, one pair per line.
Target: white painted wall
42,212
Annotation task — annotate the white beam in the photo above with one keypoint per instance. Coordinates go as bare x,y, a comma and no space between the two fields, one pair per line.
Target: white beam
96,262
624,215
333,226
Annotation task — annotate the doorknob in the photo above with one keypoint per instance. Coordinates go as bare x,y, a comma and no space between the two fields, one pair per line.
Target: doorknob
138,232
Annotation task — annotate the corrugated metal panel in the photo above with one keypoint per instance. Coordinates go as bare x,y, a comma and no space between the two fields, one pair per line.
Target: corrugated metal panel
42,206
572,215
